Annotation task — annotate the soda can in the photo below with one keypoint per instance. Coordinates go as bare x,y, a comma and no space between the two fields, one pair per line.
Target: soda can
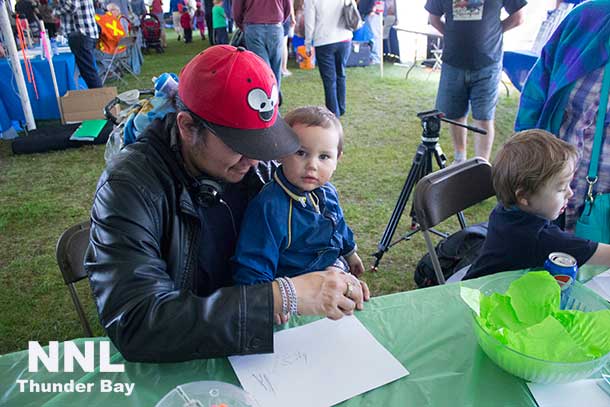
563,267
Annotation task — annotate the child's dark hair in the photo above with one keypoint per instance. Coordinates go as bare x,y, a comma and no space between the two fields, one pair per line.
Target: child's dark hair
527,161
316,116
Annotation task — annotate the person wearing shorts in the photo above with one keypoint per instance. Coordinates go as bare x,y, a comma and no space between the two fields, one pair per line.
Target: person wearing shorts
472,64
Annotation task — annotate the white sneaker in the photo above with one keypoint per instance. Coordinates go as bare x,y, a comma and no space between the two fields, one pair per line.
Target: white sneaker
454,162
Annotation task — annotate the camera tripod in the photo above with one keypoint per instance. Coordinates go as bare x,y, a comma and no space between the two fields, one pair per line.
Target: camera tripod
420,167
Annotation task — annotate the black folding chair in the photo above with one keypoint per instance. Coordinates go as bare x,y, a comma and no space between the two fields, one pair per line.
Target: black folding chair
70,252
444,193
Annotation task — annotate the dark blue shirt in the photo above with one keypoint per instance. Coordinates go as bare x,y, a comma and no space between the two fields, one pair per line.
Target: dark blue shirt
473,30
287,232
219,229
519,240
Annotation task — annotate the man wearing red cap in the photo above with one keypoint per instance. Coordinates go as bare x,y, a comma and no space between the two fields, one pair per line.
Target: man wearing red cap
165,220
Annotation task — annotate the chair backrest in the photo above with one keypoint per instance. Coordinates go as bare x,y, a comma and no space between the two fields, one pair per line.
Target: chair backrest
128,41
70,252
446,192
111,32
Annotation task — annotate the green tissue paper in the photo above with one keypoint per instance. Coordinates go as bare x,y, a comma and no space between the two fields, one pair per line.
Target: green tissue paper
528,319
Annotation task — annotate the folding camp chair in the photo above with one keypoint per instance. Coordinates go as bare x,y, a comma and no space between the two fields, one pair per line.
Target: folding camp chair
109,47
444,193
124,59
107,66
70,252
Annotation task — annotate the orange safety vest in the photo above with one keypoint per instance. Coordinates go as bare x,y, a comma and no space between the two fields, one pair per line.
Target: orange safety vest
112,32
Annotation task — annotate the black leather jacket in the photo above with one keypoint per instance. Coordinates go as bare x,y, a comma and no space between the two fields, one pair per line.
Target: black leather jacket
142,261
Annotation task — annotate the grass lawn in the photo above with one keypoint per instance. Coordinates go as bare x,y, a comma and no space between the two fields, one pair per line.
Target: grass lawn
43,194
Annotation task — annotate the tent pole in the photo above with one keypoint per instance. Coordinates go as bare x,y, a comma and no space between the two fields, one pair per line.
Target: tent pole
44,36
381,45
7,33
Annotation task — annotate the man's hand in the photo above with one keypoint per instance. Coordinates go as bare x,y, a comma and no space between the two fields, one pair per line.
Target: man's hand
332,293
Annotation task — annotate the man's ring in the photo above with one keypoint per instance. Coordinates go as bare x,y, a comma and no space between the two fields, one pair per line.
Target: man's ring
350,288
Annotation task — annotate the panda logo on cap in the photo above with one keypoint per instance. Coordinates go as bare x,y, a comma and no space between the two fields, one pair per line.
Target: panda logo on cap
263,104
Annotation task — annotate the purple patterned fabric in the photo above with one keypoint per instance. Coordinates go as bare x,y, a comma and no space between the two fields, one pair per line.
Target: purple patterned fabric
578,47
578,129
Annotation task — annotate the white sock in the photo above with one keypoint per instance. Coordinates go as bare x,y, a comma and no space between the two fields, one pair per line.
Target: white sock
459,156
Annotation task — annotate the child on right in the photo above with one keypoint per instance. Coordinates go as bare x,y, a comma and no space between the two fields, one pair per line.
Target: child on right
219,21
531,176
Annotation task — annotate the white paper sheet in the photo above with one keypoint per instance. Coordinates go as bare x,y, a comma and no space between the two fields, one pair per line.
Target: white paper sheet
318,364
601,284
580,393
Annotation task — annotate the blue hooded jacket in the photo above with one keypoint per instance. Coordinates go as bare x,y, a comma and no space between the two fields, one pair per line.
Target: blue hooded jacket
288,232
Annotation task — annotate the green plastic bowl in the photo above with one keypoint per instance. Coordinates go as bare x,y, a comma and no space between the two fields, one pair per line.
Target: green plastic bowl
530,368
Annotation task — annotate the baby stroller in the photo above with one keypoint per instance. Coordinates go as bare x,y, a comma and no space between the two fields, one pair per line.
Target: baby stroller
141,110
151,31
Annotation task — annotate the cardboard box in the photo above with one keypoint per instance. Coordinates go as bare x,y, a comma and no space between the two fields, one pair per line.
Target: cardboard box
88,104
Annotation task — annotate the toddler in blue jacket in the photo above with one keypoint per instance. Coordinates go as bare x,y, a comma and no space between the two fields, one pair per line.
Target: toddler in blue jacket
295,225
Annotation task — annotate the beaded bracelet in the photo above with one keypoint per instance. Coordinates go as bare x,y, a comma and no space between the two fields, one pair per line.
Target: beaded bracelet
292,296
284,294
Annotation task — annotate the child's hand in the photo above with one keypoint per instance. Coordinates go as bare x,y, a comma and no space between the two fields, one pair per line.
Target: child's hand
355,265
281,319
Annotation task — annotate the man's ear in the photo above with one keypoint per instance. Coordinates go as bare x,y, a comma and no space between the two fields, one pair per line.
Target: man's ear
186,127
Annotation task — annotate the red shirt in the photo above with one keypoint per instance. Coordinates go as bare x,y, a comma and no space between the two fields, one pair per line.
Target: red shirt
157,6
185,20
260,11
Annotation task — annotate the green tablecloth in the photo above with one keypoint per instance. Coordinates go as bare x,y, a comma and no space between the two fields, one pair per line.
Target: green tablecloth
429,331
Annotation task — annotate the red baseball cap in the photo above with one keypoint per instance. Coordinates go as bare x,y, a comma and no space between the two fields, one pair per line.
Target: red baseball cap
236,93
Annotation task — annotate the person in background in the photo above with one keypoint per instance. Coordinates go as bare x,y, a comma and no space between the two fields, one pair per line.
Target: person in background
166,216
50,21
176,18
332,42
562,92
472,64
29,10
391,49
186,24
261,21
99,7
531,176
288,27
208,5
299,18
199,21
219,19
295,225
78,24
138,7
156,8
371,12
123,7
228,5
114,9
